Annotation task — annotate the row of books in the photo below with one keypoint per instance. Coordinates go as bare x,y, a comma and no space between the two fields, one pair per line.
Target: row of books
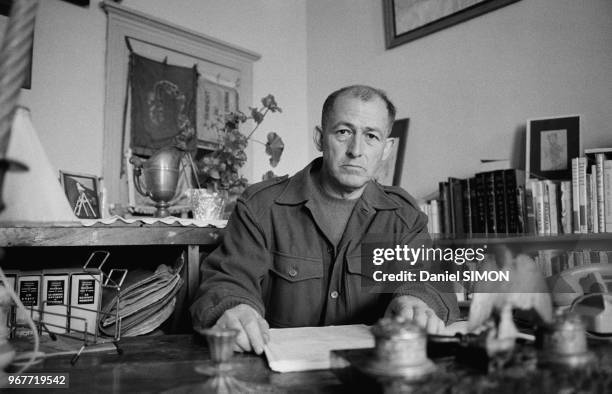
74,301
491,202
64,300
504,202
580,205
592,192
552,262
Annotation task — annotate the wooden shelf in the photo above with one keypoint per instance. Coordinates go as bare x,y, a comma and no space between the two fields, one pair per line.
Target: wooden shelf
75,234
71,234
533,242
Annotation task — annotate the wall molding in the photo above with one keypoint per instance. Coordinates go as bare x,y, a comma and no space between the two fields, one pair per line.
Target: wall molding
125,22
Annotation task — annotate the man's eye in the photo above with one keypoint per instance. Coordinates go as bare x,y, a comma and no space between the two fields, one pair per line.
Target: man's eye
372,137
343,133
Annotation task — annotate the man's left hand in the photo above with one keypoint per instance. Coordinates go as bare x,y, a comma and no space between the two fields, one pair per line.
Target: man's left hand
416,310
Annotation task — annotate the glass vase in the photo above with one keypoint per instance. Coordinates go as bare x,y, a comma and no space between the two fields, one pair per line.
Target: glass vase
207,204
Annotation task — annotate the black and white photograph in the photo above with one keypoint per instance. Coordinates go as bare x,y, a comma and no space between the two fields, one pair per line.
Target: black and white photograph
82,191
552,143
321,196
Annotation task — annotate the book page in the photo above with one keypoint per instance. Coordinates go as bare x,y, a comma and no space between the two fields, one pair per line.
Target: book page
308,348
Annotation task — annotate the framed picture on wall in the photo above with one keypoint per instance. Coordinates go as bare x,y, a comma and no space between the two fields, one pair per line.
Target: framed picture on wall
82,191
407,20
552,143
390,172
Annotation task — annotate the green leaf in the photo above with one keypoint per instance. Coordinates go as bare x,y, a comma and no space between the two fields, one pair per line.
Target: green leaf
274,148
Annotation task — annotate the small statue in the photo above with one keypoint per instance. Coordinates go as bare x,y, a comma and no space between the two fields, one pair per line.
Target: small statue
494,302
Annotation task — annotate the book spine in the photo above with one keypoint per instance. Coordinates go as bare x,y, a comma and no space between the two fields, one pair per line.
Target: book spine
566,207
28,290
546,208
608,194
593,199
55,300
467,207
445,207
475,224
511,201
521,209
500,202
456,197
587,205
582,192
426,209
551,188
481,202
434,206
599,183
575,196
539,207
530,208
491,211
514,197
85,299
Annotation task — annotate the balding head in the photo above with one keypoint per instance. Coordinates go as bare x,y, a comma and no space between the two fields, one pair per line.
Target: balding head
362,92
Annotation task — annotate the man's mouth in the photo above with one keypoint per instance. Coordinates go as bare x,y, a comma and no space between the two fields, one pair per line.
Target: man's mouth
352,167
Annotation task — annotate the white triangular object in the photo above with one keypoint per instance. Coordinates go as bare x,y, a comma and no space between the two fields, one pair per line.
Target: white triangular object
35,194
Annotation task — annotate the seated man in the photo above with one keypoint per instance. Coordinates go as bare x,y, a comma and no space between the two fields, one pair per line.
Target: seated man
291,253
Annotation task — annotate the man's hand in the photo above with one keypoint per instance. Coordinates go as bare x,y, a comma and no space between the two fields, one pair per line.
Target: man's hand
253,329
414,309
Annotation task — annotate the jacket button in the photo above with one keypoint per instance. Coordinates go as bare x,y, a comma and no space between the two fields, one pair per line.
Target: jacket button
293,272
334,294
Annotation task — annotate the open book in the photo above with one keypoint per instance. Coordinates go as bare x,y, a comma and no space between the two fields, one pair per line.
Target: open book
308,348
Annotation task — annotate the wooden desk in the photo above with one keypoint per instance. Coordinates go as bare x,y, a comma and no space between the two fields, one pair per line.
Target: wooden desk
34,234
157,364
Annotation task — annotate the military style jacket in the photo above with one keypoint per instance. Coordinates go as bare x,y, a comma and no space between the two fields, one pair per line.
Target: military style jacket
275,257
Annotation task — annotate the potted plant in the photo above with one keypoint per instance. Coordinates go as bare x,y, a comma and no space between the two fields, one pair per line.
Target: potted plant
217,174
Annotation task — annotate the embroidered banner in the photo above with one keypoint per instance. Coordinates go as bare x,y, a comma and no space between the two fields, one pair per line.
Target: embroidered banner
163,105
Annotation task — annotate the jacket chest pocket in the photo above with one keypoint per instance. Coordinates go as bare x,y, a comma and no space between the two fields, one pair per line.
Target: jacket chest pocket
295,292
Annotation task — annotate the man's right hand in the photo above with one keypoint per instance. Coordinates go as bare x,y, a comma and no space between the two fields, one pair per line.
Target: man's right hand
254,331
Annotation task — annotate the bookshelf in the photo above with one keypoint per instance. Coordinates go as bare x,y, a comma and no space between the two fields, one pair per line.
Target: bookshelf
531,243
28,244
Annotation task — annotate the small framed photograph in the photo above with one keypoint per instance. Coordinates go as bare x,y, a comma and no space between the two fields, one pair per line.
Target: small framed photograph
552,143
83,195
390,171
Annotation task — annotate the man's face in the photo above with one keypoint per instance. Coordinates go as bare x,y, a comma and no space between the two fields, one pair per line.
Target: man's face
354,142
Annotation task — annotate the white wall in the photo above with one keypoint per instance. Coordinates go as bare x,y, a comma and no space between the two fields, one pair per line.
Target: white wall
67,95
469,88
276,29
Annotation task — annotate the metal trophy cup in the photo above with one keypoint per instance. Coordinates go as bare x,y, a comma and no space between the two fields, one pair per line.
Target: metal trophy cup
161,175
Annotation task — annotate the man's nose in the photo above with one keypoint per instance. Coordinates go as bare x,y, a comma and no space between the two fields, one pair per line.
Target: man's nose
355,146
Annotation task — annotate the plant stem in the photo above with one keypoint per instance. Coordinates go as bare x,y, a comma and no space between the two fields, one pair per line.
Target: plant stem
194,169
257,125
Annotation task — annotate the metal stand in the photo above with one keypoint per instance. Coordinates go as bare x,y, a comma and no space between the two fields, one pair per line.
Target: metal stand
112,280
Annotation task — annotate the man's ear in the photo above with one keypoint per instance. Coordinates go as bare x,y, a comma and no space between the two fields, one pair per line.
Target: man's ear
318,137
388,148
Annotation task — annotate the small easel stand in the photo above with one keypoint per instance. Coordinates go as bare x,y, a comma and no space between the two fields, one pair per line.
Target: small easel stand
113,280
